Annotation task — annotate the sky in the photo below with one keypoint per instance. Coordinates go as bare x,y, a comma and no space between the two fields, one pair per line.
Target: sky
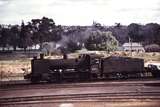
81,12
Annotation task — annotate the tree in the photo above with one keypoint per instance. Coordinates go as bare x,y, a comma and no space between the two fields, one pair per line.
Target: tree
152,48
133,32
97,26
45,30
0,35
73,46
101,41
5,37
14,36
117,25
25,36
153,33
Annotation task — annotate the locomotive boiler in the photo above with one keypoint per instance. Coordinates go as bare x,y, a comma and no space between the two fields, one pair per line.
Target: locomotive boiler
85,67
61,69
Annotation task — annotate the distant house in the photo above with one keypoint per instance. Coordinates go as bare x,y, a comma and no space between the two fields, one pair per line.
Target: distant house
10,48
133,47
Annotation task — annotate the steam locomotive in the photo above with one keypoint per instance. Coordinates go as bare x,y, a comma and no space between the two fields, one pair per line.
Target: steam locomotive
87,67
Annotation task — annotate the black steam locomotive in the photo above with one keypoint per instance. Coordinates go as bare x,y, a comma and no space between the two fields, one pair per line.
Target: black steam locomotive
86,67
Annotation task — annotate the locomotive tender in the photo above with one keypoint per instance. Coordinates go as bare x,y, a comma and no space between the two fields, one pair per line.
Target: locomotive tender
86,67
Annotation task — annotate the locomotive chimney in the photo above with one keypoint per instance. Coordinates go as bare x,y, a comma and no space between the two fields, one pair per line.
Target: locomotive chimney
65,56
41,56
35,57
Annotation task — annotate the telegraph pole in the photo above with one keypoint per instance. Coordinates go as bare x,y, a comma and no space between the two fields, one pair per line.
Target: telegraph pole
130,43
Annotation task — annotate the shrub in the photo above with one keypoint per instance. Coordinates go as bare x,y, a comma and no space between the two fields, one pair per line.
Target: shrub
152,48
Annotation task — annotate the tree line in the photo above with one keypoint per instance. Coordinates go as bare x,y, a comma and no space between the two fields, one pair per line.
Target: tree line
35,32
145,34
71,38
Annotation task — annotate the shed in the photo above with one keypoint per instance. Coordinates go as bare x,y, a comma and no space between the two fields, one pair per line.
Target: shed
133,46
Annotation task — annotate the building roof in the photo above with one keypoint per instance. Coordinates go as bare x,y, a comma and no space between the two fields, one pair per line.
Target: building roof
133,44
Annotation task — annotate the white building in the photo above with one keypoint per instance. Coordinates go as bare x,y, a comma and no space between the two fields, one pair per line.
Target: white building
133,46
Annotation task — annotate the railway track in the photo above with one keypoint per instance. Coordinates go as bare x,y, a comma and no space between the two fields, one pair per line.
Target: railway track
49,86
145,96
82,84
26,82
90,92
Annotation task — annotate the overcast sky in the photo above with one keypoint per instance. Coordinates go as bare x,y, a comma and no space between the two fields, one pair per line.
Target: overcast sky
81,12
